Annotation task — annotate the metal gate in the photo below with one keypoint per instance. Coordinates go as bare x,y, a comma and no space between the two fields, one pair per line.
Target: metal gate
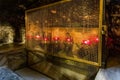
69,29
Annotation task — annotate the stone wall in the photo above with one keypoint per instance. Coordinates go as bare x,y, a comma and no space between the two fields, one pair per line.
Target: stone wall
7,34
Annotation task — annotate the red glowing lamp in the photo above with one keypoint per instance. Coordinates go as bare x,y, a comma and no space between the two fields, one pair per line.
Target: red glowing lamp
56,38
96,39
45,39
69,39
86,42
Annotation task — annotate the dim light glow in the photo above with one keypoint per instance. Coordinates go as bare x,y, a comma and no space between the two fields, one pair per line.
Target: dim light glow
53,11
64,16
29,37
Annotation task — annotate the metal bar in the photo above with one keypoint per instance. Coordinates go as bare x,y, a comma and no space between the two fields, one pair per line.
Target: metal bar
100,33
47,5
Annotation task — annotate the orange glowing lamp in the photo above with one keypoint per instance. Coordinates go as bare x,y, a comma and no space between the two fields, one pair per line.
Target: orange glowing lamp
37,37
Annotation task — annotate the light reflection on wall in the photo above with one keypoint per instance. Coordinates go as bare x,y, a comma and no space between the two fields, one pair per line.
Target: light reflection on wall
23,35
6,34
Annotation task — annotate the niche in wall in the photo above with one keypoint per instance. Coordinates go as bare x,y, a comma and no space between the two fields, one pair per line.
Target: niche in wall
6,34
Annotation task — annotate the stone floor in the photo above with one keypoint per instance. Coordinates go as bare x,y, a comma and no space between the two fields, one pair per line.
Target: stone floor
112,73
112,70
29,74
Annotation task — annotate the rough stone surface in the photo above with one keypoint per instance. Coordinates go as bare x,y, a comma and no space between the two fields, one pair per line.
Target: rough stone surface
7,74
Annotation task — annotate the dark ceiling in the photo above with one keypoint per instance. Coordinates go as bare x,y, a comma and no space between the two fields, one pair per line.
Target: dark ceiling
12,11
23,4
